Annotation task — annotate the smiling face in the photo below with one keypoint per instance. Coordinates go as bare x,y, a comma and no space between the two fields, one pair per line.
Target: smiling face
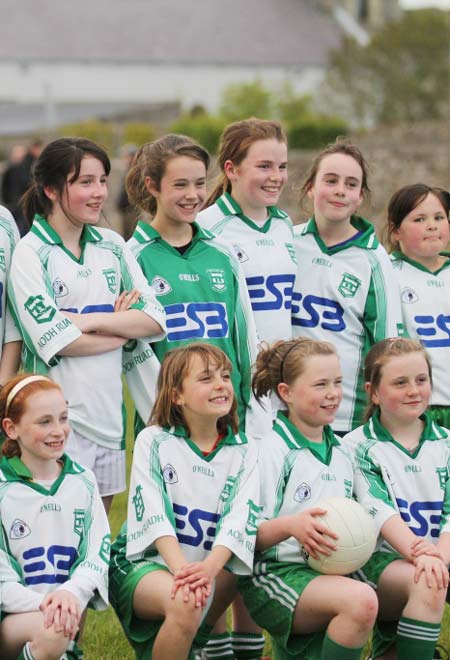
313,398
404,390
336,190
206,393
81,200
182,192
42,429
424,232
258,180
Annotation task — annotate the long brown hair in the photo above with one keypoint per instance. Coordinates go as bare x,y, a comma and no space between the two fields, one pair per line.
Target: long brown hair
151,160
235,141
174,369
17,406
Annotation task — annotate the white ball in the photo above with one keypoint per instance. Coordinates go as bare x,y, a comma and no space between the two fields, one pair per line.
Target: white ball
356,536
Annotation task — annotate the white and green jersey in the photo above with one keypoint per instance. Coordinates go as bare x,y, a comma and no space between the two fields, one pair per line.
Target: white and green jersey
267,257
203,501
295,475
9,237
205,299
52,538
347,295
46,280
425,300
391,480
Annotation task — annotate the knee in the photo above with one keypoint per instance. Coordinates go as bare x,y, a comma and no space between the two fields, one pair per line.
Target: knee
49,644
431,598
363,606
184,615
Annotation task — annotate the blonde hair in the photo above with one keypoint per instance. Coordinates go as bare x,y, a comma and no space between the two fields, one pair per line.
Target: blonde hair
235,141
174,369
151,160
379,355
283,362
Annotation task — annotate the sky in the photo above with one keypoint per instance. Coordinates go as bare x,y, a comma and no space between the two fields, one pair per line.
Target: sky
414,4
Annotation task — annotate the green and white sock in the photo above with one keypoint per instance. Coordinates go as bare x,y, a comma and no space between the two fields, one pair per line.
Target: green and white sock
25,653
331,649
416,640
247,646
219,647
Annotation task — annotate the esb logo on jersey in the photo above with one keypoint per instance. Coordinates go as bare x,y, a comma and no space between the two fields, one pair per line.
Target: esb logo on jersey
196,320
310,311
272,292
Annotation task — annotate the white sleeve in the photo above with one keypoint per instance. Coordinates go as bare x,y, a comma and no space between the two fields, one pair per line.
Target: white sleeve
16,597
89,576
150,513
141,368
134,278
33,305
238,524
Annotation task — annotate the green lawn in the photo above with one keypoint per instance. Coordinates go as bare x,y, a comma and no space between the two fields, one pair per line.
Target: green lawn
103,638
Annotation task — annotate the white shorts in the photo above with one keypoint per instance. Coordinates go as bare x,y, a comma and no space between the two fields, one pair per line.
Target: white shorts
108,465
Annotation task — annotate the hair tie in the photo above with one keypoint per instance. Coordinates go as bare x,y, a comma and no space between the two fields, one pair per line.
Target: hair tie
19,386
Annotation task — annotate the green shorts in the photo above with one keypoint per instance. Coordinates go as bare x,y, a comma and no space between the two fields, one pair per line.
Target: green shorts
271,596
124,577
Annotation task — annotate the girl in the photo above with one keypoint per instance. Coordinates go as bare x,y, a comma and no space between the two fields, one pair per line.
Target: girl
192,508
10,344
68,291
198,281
419,232
242,211
345,291
54,547
309,615
402,459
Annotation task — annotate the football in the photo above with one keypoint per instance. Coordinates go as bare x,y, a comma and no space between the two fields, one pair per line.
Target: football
356,536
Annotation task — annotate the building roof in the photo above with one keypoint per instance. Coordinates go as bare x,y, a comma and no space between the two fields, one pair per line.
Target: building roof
291,33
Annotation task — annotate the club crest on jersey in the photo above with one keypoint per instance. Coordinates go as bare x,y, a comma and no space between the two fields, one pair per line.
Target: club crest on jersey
240,253
37,308
111,279
2,260
170,475
409,295
349,285
217,278
227,489
19,529
138,503
303,492
59,288
251,526
291,249
105,548
161,286
443,476
78,521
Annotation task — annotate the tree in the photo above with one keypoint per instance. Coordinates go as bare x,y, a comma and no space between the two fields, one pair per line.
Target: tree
401,75
243,100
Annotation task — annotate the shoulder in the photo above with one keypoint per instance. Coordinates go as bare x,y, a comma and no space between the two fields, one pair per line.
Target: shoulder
109,236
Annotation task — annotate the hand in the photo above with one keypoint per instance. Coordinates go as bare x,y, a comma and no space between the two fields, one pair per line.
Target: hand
434,569
126,300
312,533
196,574
422,546
62,610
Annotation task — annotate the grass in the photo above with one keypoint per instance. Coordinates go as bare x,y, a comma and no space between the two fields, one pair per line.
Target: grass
103,638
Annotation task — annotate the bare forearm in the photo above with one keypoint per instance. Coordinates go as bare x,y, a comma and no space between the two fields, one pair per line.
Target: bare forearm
271,532
10,362
131,324
217,558
92,344
169,549
397,533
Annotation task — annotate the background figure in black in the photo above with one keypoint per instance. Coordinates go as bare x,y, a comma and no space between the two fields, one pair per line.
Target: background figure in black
127,212
17,179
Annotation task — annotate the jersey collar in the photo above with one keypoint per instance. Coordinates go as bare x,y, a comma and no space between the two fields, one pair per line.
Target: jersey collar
294,439
229,206
15,470
48,235
145,233
366,240
397,254
229,439
374,430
